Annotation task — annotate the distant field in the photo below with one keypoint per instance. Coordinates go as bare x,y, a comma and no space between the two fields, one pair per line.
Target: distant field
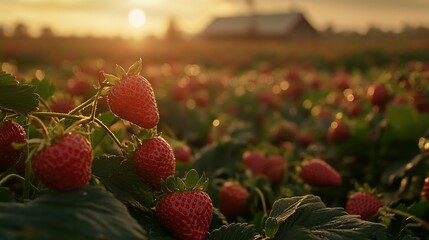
322,53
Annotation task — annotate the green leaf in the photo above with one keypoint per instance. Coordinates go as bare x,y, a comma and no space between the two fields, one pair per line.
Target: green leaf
307,217
111,79
419,209
5,194
405,122
151,225
44,88
236,231
88,213
119,177
192,178
7,79
119,71
17,97
230,152
135,68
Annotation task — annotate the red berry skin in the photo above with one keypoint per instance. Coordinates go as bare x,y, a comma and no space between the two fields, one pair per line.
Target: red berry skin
10,132
378,96
318,173
364,204
425,189
62,105
78,87
338,132
132,99
232,199
187,215
275,168
183,154
65,164
255,161
154,161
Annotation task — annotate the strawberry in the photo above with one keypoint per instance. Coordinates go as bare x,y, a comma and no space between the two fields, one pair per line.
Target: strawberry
364,204
185,209
78,87
317,172
132,98
65,164
275,168
10,132
425,190
182,153
62,105
154,161
255,161
232,199
338,132
378,96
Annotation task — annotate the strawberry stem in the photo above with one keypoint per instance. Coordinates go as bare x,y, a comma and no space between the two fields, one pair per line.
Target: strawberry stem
41,124
263,203
27,182
59,115
421,222
110,133
83,105
13,175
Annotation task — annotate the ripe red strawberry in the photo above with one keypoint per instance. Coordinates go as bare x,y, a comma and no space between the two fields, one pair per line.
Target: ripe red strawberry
154,161
364,204
378,96
232,199
65,164
183,153
255,161
132,98
62,105
275,168
338,132
185,210
78,87
317,172
425,189
10,132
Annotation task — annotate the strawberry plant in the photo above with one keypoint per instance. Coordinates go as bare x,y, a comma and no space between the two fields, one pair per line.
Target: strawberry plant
113,163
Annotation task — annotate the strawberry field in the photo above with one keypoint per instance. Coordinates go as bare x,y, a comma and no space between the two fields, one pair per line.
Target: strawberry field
214,140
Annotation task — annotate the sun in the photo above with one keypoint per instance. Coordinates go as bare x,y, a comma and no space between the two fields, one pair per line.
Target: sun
136,18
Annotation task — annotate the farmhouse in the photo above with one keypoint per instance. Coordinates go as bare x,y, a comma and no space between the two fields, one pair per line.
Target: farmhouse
279,25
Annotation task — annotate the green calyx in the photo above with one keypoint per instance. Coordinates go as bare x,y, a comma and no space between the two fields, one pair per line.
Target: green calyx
191,182
110,79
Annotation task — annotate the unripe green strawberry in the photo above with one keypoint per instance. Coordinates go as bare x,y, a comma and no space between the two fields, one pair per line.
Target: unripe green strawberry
132,99
185,209
10,132
364,204
317,172
154,161
65,164
232,199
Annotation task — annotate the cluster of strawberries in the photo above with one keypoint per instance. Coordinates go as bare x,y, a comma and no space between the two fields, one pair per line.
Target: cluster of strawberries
64,163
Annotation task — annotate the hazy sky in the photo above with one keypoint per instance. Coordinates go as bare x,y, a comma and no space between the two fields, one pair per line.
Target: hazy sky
110,17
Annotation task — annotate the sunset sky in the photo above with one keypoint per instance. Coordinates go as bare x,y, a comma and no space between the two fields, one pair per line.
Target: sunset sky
110,17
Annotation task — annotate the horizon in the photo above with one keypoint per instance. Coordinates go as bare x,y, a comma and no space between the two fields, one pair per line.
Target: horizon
110,18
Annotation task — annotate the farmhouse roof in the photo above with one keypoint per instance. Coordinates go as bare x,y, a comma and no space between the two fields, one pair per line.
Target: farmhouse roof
263,24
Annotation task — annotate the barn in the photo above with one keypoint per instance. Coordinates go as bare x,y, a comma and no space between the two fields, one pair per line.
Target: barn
279,25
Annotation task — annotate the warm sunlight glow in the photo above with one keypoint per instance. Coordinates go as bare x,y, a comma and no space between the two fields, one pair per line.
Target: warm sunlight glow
136,18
